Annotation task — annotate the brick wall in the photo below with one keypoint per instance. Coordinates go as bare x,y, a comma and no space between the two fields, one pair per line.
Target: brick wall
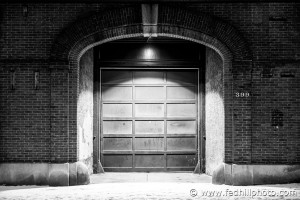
276,112
270,29
25,113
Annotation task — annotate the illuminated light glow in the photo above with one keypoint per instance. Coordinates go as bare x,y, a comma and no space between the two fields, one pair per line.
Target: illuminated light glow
149,53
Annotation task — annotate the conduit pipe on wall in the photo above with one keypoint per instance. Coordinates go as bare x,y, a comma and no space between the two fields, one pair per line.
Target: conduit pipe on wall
150,19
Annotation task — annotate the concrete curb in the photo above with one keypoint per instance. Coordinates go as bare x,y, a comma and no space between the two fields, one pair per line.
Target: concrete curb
52,174
242,175
58,174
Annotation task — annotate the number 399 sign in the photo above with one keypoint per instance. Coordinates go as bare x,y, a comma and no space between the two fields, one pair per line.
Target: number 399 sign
242,94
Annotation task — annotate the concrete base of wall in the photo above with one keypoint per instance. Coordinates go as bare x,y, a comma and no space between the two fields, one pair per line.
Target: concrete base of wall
232,174
65,174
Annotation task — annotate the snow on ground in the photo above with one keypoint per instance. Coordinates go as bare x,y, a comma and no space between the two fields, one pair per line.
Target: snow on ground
115,188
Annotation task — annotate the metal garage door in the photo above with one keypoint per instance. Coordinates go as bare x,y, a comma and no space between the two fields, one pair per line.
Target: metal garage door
149,119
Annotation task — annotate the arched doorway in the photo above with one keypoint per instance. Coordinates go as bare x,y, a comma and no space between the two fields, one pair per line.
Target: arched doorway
150,104
89,32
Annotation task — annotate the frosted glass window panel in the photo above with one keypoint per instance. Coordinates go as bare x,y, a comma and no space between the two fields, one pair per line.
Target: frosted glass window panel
112,77
149,93
148,77
116,93
181,78
149,127
117,144
149,110
117,110
117,127
181,127
181,110
178,93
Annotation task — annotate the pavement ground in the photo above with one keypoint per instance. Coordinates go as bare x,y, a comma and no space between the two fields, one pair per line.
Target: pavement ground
151,186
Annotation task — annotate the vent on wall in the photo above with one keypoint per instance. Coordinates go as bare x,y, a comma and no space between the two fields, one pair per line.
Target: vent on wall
277,118
288,74
267,73
277,19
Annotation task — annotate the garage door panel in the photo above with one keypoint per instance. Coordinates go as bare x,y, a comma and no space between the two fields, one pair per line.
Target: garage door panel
181,110
112,77
117,110
180,77
181,127
149,144
181,160
149,119
117,161
116,93
114,144
149,110
148,77
149,93
181,144
181,93
117,127
149,127
149,161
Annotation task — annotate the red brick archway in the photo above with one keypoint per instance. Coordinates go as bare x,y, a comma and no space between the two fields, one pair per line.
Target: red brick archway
98,28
